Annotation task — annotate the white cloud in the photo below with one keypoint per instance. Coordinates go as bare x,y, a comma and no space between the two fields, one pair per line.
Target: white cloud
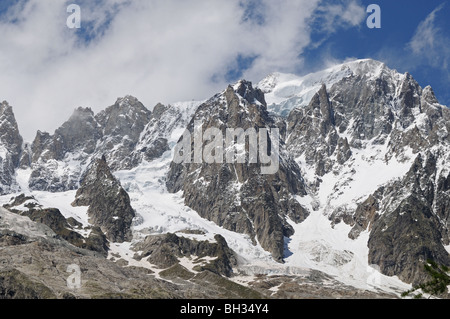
158,51
340,14
429,43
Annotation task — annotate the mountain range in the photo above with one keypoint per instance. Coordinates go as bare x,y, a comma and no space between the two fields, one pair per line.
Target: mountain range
359,203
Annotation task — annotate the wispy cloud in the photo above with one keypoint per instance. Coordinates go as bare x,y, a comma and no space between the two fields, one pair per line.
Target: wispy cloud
329,18
159,51
430,43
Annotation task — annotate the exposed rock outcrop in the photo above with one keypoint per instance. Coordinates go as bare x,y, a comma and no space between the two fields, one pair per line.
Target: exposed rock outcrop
109,204
165,251
66,229
10,148
59,160
236,195
406,235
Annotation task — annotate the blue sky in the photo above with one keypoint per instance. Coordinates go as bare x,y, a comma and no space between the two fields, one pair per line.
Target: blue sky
176,50
391,43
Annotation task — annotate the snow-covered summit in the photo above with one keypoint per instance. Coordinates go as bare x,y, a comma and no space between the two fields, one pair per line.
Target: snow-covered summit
285,92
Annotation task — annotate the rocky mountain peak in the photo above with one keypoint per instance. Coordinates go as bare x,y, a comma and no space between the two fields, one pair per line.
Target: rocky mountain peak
127,117
325,106
128,100
81,132
377,117
429,96
10,148
6,109
109,204
246,91
98,171
10,137
114,131
158,135
235,194
122,125
159,110
83,111
410,93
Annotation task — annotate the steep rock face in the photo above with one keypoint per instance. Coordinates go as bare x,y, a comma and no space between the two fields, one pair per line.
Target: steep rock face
401,242
78,134
10,148
10,136
109,204
121,124
154,141
365,105
75,140
235,194
315,127
59,160
372,119
160,134
408,221
165,251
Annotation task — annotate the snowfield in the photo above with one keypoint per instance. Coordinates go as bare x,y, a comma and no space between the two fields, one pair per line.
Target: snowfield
315,244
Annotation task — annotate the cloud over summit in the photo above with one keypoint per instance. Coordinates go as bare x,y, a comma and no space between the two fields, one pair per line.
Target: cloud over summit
158,51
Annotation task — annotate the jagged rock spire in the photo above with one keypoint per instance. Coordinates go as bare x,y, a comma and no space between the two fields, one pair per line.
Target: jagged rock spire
109,204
